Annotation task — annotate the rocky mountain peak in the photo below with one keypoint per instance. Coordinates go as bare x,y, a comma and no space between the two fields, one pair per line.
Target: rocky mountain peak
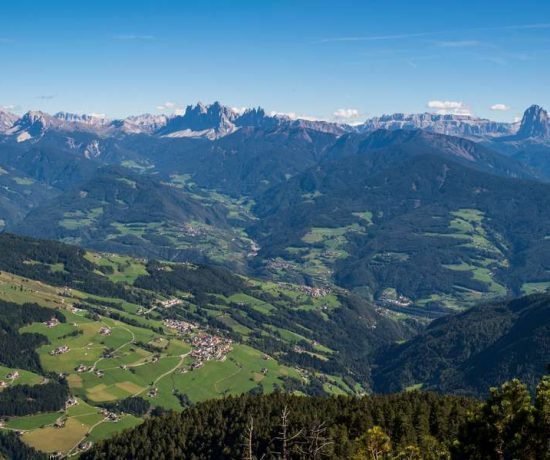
535,123
81,118
7,120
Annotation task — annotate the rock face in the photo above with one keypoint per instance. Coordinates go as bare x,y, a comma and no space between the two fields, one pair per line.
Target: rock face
73,118
7,120
454,125
141,124
32,125
210,121
535,124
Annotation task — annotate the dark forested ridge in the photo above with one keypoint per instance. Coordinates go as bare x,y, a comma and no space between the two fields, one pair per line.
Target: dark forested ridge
26,399
471,351
411,425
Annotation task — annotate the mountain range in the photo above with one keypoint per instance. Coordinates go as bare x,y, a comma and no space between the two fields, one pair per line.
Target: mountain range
421,213
215,120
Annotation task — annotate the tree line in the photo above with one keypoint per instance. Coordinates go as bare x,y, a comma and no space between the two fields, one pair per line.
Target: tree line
509,424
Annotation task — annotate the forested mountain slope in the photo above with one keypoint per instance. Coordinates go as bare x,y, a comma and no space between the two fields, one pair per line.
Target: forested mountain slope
470,352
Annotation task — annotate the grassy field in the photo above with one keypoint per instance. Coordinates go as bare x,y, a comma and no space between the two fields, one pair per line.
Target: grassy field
25,377
139,356
482,261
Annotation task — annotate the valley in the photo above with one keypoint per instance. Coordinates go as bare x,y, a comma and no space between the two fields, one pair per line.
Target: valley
257,256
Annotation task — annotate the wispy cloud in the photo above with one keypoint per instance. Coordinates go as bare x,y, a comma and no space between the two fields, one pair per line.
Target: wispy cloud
10,108
170,107
239,110
523,27
449,107
450,43
46,97
369,38
458,43
133,37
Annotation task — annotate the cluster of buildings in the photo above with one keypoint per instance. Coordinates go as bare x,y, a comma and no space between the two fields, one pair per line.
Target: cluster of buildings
170,303
315,292
10,376
52,322
110,416
209,347
395,301
71,402
81,368
188,229
13,375
60,350
183,327
104,330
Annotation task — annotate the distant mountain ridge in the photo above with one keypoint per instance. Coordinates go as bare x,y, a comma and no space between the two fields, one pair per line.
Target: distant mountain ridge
456,125
216,120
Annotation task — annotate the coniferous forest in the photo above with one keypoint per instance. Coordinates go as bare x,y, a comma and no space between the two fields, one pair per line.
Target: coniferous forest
509,424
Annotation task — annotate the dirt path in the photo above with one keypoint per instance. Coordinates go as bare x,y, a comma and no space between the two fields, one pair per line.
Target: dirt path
132,340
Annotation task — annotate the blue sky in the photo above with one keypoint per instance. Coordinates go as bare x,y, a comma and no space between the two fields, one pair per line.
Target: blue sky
324,59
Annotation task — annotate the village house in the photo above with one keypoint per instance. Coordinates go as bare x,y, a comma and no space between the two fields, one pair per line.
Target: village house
60,350
52,322
71,402
110,416
81,368
183,327
105,330
84,446
59,423
315,292
13,375
170,303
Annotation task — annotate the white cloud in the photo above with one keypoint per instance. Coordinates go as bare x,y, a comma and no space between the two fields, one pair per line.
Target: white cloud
293,116
500,107
97,115
239,110
450,107
346,114
9,107
170,107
